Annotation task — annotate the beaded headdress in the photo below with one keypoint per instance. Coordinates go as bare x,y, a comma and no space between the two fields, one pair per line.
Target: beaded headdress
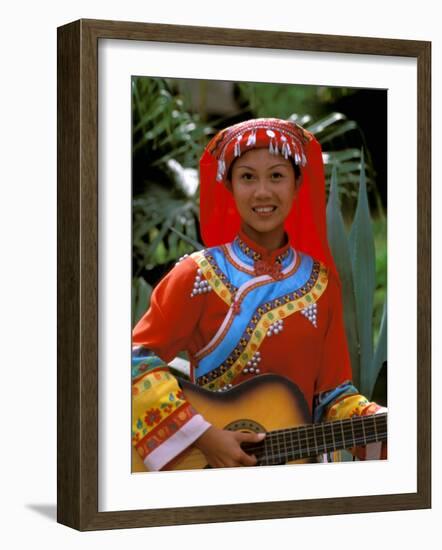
280,136
306,222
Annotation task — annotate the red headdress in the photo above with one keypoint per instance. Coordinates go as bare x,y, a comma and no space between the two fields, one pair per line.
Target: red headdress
306,222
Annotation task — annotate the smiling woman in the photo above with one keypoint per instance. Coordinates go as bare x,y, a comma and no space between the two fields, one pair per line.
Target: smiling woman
264,299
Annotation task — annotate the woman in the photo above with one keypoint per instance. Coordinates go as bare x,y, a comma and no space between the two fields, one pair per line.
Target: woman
264,297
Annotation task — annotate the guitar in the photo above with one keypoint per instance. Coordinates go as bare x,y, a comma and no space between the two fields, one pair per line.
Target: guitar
273,404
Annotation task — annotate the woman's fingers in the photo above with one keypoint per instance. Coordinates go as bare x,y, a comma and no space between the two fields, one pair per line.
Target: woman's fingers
222,448
247,459
249,437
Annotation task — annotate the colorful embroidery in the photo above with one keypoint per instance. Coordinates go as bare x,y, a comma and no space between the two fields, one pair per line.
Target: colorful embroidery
325,399
141,365
255,256
236,257
214,276
346,407
256,330
144,445
275,328
158,409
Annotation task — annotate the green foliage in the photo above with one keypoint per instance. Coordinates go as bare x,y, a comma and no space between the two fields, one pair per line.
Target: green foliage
356,262
162,127
165,227
340,249
167,143
277,99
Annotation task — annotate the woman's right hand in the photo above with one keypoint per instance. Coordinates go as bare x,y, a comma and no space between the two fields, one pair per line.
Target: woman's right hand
222,448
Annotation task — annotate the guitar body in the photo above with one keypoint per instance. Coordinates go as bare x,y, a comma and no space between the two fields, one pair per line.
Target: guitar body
261,404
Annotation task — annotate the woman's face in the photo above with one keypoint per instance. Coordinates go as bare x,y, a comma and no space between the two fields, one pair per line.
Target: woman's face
263,186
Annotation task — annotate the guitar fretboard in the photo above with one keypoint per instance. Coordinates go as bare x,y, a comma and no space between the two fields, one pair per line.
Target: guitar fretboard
281,446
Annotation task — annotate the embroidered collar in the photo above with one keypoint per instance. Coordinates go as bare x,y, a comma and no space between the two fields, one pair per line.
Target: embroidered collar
265,262
259,253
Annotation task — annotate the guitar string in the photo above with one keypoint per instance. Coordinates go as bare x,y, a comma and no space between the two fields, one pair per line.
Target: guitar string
261,450
277,459
287,437
311,431
330,443
377,418
359,440
301,450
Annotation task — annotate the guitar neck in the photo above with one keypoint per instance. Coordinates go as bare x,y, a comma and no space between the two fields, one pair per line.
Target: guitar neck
282,446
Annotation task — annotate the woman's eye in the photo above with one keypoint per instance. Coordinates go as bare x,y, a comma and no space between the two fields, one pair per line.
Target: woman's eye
277,175
246,176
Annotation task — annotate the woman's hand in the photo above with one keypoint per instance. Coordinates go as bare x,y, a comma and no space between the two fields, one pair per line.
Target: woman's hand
222,448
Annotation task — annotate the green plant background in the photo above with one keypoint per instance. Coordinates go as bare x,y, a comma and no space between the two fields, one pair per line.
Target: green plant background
172,121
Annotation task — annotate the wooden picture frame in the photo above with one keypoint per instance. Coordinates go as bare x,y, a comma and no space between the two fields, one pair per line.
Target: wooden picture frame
77,461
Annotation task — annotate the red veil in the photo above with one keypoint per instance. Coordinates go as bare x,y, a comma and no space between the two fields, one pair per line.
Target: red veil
306,222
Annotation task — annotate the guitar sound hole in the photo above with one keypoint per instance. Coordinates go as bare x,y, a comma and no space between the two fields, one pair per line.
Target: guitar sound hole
245,425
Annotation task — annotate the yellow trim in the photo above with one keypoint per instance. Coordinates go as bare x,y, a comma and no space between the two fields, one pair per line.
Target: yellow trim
212,278
351,405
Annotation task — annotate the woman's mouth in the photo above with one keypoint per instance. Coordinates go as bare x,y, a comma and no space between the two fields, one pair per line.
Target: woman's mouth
264,210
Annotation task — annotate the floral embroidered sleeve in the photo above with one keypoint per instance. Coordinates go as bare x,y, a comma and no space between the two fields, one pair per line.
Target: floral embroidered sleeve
163,422
343,402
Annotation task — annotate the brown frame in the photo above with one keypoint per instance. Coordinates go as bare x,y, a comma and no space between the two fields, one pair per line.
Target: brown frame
77,224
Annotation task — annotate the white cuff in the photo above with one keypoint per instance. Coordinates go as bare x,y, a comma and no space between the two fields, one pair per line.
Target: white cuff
176,443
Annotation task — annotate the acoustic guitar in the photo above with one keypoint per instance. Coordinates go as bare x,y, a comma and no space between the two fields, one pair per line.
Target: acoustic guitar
272,404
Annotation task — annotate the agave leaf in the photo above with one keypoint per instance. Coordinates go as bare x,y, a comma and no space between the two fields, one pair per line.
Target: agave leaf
363,258
141,291
337,239
380,355
345,154
348,166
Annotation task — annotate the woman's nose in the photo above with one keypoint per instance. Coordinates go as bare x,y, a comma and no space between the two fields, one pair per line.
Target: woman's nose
262,188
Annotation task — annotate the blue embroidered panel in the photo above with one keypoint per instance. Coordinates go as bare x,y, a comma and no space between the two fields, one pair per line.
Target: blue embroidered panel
253,300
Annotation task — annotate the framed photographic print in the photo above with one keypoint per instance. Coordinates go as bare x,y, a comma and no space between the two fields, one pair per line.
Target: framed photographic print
138,106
